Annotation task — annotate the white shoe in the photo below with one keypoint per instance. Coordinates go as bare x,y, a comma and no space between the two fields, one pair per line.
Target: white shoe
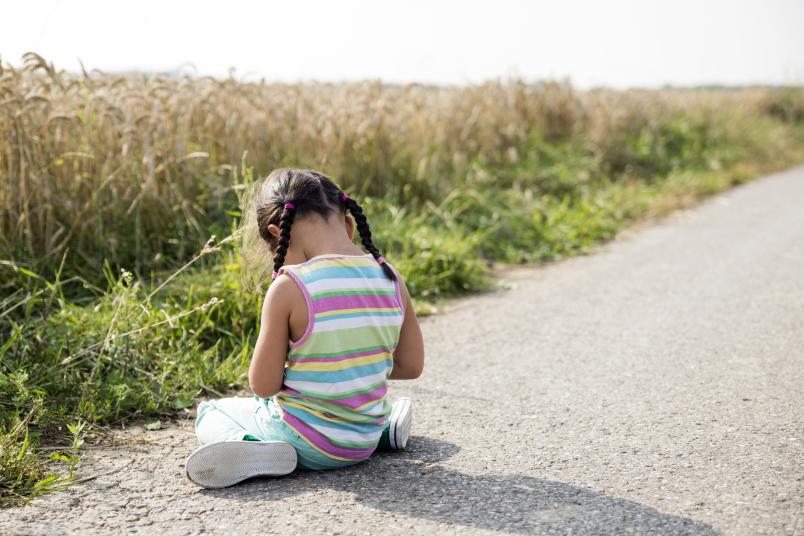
401,419
218,465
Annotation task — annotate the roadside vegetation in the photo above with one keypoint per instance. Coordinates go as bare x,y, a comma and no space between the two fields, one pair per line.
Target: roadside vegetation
121,294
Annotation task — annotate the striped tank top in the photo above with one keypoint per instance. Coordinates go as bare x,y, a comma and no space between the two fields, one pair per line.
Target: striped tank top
334,390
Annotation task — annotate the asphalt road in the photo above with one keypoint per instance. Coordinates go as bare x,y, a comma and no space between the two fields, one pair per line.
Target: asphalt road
655,387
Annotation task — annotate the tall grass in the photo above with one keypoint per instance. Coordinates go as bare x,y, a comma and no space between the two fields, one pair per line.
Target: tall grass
109,184
136,170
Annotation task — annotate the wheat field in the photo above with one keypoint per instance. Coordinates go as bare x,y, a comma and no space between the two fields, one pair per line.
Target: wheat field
134,169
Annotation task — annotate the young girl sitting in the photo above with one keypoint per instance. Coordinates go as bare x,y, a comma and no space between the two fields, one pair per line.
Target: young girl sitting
336,325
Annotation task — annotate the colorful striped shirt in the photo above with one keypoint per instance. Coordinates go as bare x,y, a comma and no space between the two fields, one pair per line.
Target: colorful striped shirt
334,390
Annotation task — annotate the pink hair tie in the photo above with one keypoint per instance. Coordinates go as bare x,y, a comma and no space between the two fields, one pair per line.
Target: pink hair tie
381,259
289,206
274,275
344,197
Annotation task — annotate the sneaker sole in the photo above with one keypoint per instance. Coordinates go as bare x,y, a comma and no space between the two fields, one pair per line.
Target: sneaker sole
401,421
219,465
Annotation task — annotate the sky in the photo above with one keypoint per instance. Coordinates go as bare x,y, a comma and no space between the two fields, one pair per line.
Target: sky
613,43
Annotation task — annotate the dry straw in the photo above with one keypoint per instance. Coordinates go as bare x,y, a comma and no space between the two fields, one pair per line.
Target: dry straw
104,163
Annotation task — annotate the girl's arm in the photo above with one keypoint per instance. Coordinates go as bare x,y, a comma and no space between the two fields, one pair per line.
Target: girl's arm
267,368
409,353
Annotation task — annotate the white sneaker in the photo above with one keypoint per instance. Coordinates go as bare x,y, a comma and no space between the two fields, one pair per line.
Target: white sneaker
401,419
218,465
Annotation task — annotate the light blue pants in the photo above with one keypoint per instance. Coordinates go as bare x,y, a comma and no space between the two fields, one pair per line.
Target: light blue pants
255,419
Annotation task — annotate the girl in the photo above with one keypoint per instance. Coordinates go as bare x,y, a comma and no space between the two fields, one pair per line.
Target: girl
336,325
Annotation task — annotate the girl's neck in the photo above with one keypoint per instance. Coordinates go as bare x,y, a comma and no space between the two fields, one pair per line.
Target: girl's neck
323,248
312,237
314,241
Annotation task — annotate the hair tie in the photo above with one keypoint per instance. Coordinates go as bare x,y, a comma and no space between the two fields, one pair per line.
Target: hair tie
381,259
274,275
289,206
344,197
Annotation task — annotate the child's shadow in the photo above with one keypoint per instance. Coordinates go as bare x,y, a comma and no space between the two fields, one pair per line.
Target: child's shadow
408,483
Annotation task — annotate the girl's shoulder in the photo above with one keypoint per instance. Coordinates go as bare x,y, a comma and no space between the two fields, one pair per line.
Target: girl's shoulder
332,265
330,275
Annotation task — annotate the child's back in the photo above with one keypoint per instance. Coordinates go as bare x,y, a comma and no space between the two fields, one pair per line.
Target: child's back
331,334
333,394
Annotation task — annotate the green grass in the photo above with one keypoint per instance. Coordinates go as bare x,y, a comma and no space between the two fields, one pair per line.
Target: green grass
77,350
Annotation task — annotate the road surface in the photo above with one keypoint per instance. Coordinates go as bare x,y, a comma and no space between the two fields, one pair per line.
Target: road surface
655,387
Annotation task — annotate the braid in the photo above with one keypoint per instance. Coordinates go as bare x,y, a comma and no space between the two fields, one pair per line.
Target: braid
365,233
285,221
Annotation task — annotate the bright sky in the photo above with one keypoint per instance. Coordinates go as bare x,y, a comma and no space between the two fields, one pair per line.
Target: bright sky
616,43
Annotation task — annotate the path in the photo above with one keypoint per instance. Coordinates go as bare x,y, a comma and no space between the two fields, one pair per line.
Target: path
655,387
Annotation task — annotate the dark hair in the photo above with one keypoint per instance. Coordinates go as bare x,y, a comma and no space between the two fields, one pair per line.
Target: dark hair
290,193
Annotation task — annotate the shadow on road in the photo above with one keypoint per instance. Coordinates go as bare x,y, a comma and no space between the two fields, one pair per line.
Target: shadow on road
410,483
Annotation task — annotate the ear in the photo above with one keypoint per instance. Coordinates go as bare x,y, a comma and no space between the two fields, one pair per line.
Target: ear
350,227
274,230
